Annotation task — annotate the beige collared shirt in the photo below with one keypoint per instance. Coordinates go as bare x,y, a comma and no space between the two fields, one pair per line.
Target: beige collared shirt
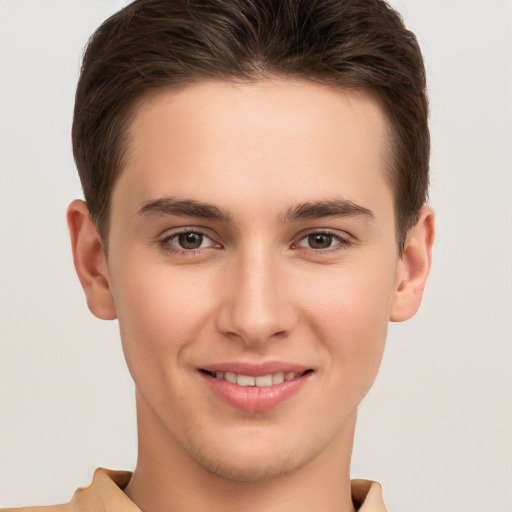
105,494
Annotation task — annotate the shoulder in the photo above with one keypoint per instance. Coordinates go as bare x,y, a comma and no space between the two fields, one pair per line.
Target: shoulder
103,494
49,508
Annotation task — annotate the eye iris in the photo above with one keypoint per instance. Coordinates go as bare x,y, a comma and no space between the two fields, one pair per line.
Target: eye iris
320,241
190,240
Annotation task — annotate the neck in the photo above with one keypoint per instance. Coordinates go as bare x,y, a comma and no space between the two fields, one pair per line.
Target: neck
168,478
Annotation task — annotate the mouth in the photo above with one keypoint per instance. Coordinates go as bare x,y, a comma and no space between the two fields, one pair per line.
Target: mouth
261,381
255,389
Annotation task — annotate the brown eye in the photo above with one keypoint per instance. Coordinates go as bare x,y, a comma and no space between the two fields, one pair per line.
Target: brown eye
190,240
187,242
324,242
320,240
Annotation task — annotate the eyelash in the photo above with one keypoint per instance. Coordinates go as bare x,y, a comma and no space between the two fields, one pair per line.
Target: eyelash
165,243
341,242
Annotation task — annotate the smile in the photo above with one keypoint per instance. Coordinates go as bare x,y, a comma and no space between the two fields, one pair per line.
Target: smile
262,381
262,391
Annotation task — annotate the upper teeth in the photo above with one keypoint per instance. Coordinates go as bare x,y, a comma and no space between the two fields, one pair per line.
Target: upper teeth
260,381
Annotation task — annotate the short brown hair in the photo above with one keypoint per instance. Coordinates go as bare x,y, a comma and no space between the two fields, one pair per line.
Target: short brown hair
151,44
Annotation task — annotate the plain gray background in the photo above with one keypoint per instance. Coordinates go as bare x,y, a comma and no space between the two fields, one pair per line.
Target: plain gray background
436,429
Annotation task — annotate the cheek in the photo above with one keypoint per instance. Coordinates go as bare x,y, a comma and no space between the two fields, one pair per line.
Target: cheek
349,310
160,313
352,297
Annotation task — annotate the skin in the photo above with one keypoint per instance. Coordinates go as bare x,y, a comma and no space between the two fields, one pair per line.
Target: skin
258,288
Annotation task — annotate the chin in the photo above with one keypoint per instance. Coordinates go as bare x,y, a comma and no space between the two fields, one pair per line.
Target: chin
249,456
258,468
264,452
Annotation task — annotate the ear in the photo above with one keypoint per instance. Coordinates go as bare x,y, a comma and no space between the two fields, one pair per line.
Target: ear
414,267
90,261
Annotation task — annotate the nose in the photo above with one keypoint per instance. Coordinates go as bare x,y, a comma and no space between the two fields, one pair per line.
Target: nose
256,306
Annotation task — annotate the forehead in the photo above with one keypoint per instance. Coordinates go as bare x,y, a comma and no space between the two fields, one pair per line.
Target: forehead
288,139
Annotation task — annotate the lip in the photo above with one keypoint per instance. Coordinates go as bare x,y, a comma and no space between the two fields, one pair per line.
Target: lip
254,398
256,369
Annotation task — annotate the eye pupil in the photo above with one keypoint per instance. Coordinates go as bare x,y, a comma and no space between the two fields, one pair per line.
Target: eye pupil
320,240
190,240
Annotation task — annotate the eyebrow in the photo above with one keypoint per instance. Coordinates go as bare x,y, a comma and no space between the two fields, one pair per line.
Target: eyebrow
330,208
183,207
310,210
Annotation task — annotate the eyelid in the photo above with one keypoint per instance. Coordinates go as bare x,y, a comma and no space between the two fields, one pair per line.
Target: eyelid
164,239
344,240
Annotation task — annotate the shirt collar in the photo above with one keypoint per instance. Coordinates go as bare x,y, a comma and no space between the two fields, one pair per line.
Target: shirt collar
105,494
368,496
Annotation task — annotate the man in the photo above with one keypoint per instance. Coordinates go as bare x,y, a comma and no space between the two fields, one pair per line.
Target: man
255,176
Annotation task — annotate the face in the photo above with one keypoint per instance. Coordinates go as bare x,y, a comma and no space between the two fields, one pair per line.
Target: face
253,266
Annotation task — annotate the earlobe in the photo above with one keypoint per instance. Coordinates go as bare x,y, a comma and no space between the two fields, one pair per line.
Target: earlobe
414,267
90,261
